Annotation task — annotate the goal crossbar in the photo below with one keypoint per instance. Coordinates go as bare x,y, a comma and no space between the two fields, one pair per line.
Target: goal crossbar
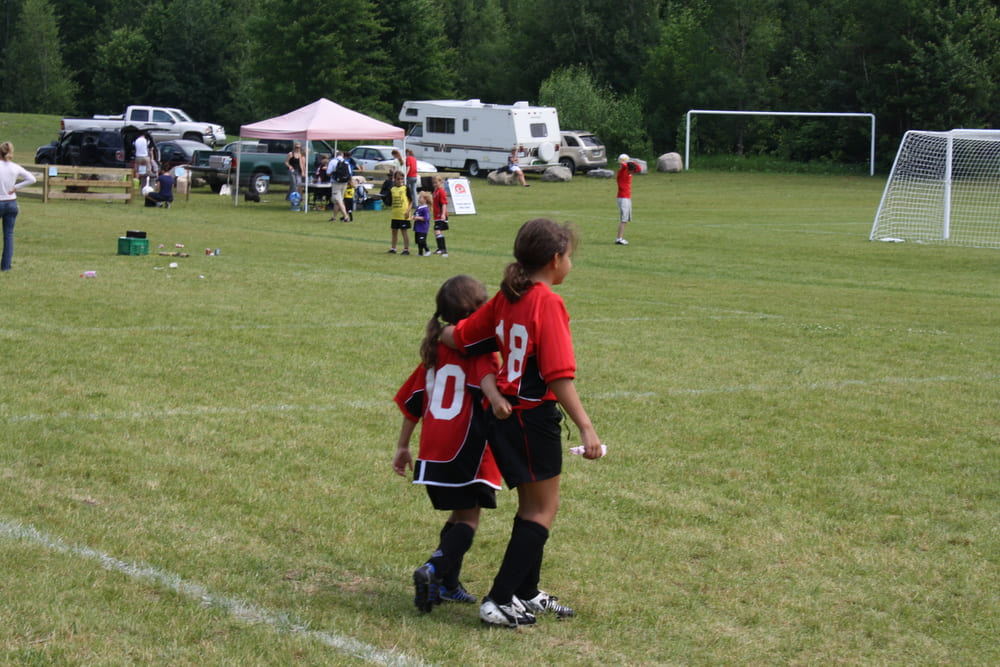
828,114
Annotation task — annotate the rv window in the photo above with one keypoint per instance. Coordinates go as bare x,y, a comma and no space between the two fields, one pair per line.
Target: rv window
417,130
465,125
539,130
412,112
441,125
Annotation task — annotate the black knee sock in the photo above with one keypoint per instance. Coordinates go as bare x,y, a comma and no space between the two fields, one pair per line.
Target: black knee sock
523,556
440,242
456,539
529,585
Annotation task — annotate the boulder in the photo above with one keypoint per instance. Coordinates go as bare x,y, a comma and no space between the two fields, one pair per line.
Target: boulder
600,173
500,178
557,174
670,162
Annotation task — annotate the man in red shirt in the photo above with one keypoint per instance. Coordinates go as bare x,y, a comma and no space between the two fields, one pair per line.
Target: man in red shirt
625,170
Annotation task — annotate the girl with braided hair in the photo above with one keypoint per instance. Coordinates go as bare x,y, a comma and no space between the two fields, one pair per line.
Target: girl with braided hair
454,463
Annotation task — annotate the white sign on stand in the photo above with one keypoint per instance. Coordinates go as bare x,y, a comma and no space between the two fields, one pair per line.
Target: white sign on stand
460,196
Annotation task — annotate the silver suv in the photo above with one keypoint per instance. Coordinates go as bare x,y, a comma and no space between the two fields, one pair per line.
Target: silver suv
582,151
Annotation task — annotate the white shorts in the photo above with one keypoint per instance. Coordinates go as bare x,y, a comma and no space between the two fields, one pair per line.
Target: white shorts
625,209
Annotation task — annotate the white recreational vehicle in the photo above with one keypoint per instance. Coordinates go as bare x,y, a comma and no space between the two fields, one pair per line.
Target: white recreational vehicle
477,137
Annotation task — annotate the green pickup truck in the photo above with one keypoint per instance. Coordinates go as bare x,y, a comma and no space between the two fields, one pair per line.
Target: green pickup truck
262,163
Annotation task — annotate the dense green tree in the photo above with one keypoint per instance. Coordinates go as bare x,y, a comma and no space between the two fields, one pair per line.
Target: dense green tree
584,104
83,26
485,66
420,58
610,37
35,79
307,50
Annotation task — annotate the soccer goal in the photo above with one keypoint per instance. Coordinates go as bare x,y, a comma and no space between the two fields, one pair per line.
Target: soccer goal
944,188
866,117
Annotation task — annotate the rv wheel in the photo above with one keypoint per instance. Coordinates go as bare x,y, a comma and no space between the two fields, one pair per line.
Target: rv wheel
473,168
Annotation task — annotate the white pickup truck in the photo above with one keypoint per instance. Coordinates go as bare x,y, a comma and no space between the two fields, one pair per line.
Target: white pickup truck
162,123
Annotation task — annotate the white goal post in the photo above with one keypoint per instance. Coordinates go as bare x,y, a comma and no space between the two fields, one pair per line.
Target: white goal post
944,187
717,112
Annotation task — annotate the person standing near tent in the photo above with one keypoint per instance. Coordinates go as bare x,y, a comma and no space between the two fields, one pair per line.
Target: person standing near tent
296,164
338,187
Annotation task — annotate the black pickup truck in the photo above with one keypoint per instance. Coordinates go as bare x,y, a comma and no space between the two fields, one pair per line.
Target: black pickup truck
262,163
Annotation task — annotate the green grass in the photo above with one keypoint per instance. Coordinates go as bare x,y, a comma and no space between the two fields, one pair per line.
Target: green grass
802,426
27,132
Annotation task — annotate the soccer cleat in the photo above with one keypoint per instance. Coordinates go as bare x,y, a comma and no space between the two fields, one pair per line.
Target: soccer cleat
405,252
504,615
427,587
543,602
426,253
390,251
457,594
621,242
444,254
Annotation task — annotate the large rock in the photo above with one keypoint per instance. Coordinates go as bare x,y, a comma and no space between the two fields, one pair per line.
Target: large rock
670,162
600,173
500,178
557,174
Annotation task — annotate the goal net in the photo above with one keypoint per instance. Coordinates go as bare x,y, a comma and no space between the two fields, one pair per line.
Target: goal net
944,187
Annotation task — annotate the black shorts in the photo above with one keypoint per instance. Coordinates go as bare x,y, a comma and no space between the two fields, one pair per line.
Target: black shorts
441,225
400,224
528,444
462,497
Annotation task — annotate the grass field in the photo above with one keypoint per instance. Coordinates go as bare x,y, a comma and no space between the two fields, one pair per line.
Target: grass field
803,435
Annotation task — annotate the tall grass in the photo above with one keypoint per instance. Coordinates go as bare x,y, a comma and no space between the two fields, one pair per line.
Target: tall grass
802,427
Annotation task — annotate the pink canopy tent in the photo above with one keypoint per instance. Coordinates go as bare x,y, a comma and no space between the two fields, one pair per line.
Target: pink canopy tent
322,119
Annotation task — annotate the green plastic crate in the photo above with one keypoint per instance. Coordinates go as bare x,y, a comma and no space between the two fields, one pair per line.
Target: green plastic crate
130,246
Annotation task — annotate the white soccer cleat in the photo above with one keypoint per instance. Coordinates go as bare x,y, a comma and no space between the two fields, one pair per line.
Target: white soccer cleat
543,602
504,615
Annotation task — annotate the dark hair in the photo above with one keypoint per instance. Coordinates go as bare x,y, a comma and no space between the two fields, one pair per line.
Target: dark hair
458,298
536,243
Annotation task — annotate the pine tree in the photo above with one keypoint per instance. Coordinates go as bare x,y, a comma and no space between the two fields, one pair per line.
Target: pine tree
37,81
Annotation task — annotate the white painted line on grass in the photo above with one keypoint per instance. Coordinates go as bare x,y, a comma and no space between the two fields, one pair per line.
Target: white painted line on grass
243,611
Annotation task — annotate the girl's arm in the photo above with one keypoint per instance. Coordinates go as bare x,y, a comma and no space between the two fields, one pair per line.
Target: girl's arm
403,460
448,336
500,405
565,392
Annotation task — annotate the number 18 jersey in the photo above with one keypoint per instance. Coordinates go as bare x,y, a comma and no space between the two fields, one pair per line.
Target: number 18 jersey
533,337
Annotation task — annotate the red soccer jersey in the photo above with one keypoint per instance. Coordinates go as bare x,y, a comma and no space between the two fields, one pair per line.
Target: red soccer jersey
532,335
625,179
448,398
440,204
411,167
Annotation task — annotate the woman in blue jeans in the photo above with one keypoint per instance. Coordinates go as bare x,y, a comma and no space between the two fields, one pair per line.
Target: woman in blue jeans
10,173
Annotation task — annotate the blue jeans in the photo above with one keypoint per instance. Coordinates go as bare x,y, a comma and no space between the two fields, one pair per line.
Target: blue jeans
8,209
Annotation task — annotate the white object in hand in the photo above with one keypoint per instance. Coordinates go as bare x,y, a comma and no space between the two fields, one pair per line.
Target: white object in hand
579,450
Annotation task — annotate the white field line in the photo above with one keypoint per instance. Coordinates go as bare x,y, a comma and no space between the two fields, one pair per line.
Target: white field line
243,611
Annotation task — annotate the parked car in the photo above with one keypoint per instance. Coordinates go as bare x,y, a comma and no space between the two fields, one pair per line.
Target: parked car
380,157
178,152
92,147
581,151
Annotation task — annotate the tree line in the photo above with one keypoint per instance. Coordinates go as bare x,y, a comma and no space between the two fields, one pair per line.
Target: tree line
627,69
